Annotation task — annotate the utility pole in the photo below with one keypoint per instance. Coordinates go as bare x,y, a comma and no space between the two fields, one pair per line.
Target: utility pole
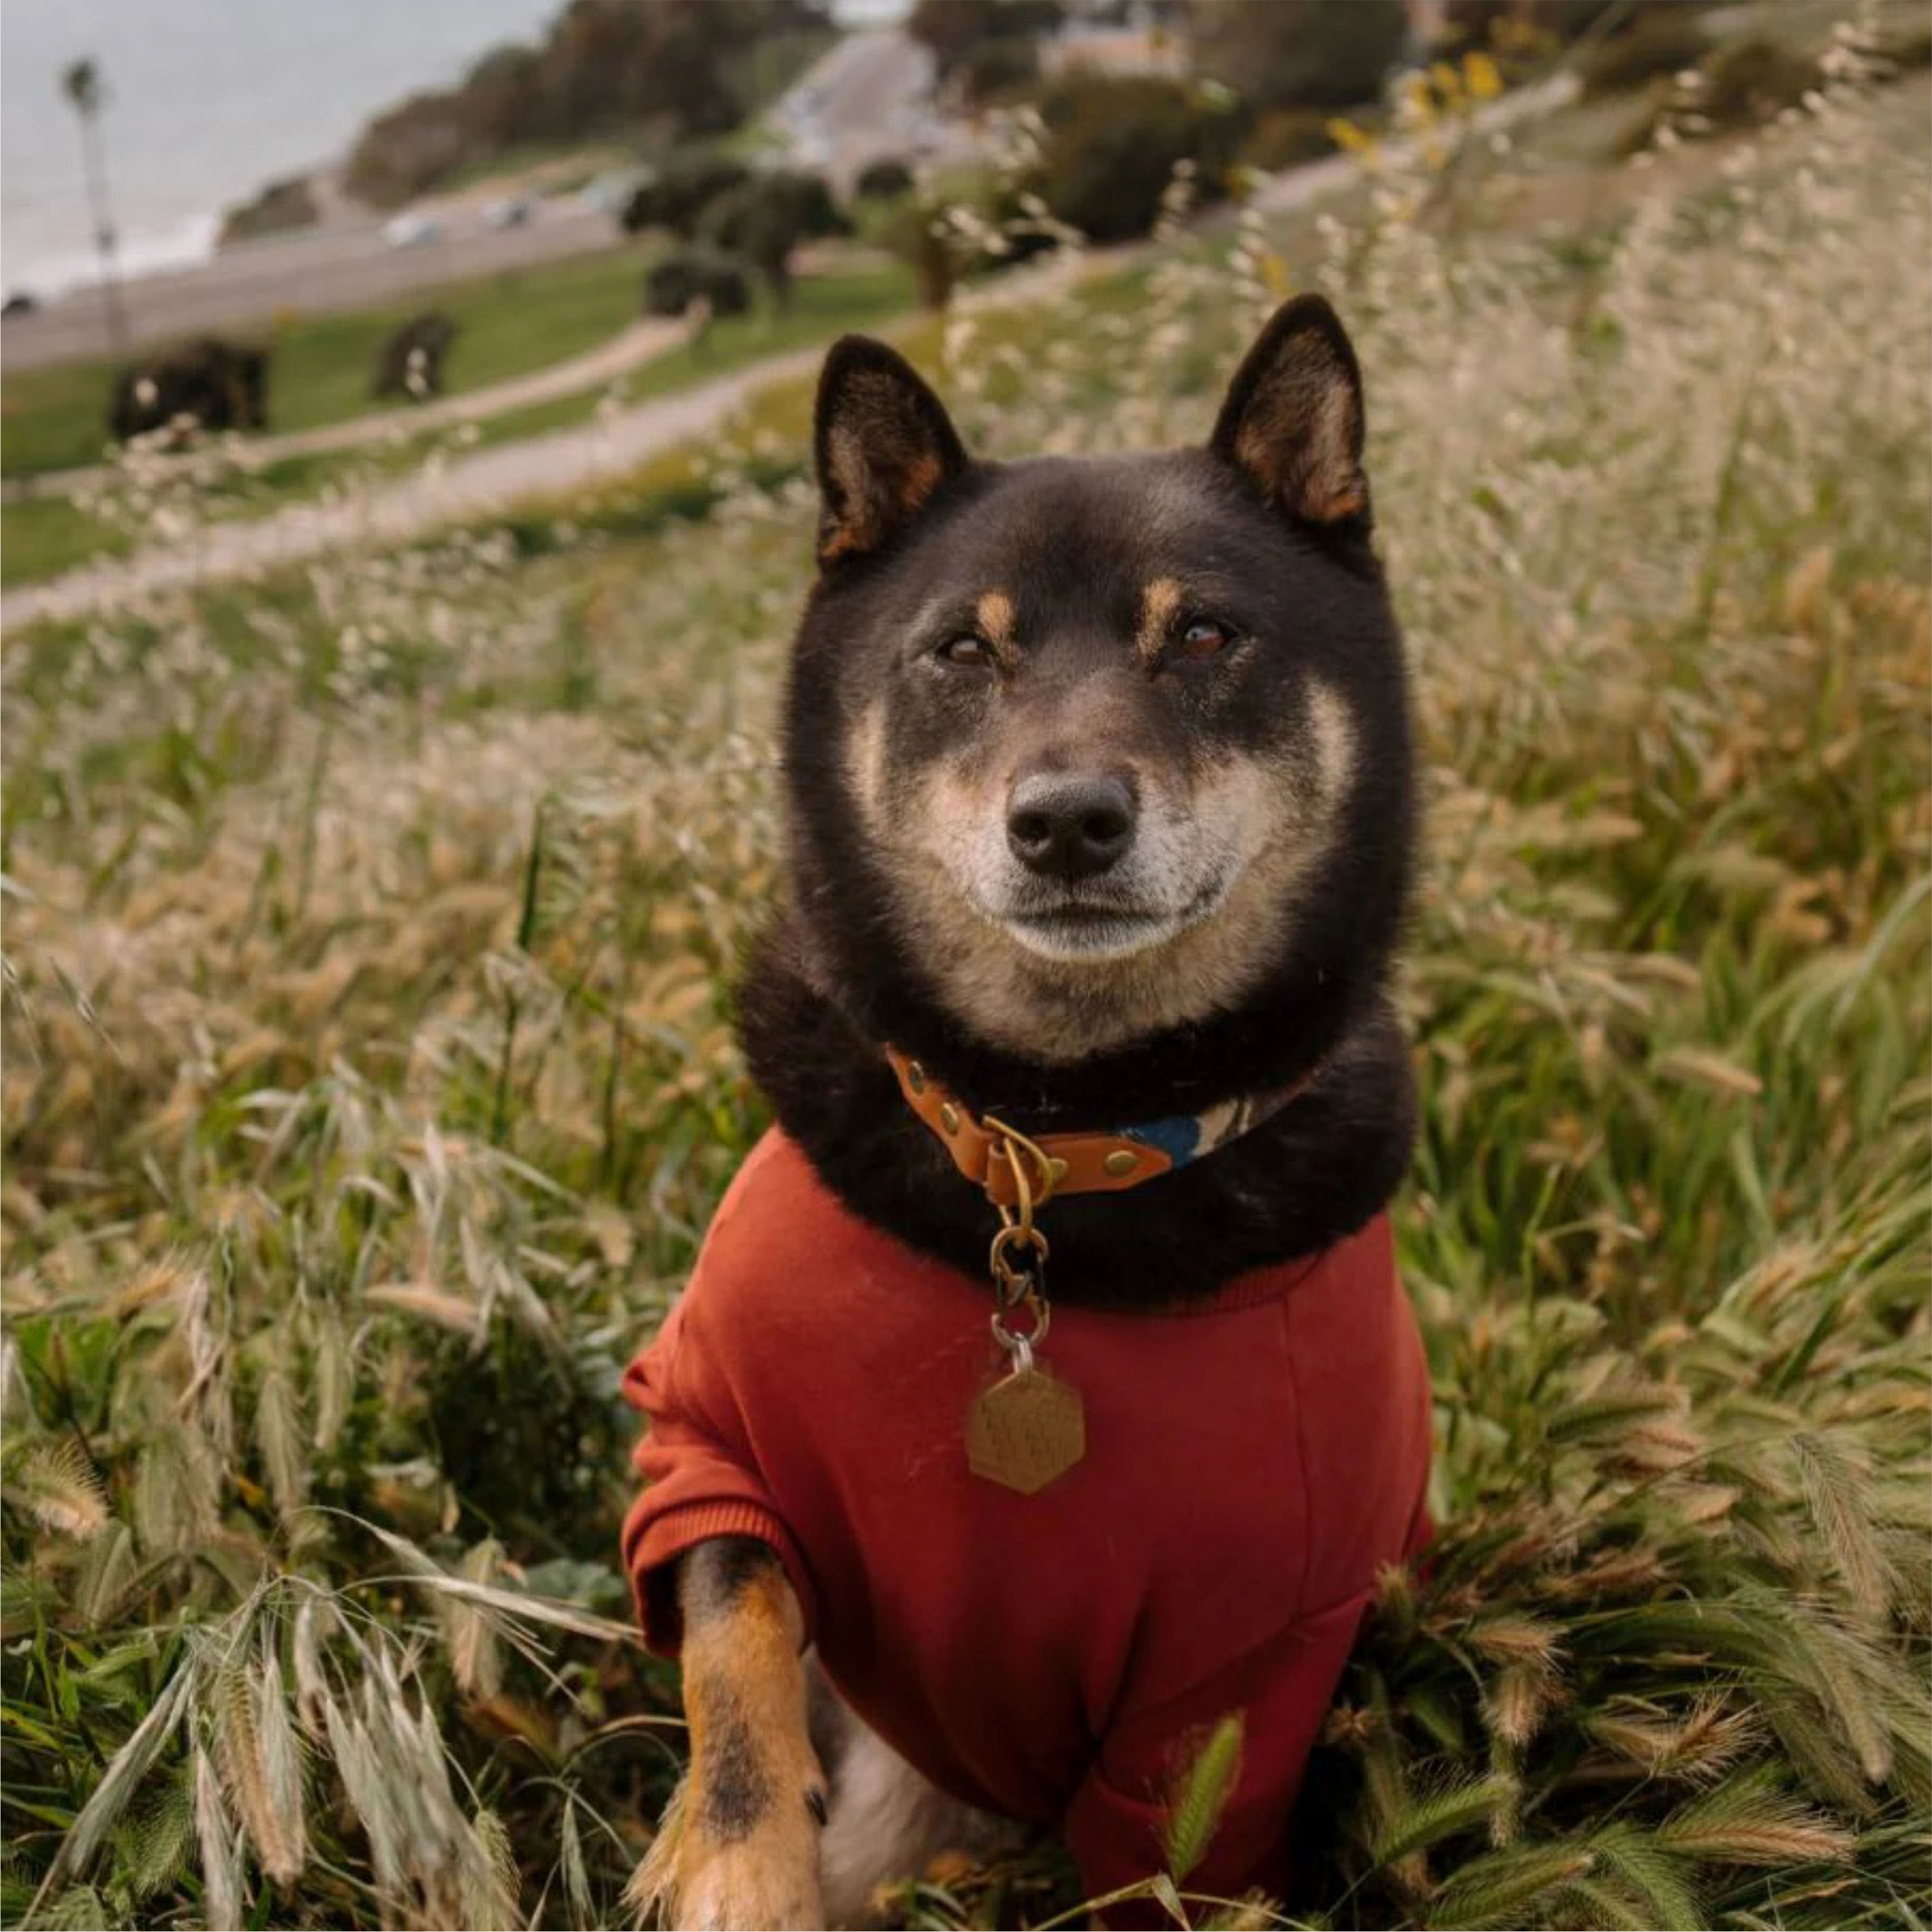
81,83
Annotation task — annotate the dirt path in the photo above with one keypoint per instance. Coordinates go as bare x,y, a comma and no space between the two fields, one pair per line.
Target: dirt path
463,489
641,342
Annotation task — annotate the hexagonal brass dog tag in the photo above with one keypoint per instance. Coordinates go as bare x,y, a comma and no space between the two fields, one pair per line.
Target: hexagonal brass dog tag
1025,1430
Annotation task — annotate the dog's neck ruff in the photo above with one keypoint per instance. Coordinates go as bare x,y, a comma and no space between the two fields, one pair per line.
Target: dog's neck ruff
1103,1162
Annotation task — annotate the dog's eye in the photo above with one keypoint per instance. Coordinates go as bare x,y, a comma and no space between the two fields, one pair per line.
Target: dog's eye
1203,638
974,653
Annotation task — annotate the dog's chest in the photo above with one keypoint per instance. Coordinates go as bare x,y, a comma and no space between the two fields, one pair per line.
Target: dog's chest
1242,1464
1179,1533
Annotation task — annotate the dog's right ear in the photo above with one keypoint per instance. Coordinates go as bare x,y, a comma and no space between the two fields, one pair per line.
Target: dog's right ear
1292,422
884,447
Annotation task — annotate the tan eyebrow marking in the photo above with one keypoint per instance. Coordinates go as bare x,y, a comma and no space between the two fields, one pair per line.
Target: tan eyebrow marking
994,614
1159,602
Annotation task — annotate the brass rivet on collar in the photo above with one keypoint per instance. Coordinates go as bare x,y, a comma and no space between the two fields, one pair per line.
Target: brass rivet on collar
1120,1161
948,1119
915,1076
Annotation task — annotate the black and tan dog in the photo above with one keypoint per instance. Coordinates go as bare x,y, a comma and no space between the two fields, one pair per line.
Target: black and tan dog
1101,822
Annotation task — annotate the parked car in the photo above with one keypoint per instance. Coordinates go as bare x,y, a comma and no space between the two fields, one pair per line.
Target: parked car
411,231
611,193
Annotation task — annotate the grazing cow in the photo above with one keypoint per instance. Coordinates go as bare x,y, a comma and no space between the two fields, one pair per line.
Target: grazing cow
409,362
219,384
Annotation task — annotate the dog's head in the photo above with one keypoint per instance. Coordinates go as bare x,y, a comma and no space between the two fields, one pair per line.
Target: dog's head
1084,751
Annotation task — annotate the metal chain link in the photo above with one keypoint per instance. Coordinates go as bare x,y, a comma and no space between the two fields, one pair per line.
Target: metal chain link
1017,1258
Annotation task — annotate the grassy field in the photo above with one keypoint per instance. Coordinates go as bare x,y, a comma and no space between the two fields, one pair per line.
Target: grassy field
369,1082
511,324
42,536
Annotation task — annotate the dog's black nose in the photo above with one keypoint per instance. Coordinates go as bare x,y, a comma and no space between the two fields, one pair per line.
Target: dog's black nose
1067,827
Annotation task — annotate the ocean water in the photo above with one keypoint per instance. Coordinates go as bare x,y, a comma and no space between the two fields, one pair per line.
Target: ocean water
208,99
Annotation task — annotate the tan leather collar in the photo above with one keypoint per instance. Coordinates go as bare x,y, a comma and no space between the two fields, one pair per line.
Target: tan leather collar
982,1148
1079,1163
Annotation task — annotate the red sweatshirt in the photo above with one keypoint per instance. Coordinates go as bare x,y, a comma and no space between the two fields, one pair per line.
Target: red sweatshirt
1250,1462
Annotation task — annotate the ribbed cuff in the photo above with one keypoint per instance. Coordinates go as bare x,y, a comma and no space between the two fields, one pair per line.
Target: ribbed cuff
668,1537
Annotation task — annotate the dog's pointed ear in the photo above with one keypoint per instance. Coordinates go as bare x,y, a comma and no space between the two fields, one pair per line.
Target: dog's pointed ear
1292,422
884,447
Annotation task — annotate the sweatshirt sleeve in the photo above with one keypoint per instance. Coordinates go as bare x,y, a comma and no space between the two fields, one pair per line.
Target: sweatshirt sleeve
700,1481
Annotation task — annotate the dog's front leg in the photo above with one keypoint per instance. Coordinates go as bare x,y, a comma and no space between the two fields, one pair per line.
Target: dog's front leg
745,1851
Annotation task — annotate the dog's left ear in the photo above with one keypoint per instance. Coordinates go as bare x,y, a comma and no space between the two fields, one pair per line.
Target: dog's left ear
884,446
1292,422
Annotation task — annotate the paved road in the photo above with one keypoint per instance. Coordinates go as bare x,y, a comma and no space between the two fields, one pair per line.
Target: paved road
869,96
865,97
317,273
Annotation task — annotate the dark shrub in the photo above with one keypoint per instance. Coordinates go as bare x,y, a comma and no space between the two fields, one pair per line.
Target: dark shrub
885,179
679,191
1906,42
409,362
671,286
936,256
998,69
763,219
280,207
1285,137
1747,82
1301,53
1113,142
940,254
954,29
1661,41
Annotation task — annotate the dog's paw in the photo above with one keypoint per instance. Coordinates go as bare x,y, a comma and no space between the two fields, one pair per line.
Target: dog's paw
743,1887
697,1879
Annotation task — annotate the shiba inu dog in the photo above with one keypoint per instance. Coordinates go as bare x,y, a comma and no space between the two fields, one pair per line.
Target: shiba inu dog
1101,827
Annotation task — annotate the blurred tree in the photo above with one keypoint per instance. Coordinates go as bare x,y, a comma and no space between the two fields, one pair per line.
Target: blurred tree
966,230
764,219
81,83
883,178
997,70
663,70
1297,53
1113,142
920,236
696,274
504,91
679,191
953,28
